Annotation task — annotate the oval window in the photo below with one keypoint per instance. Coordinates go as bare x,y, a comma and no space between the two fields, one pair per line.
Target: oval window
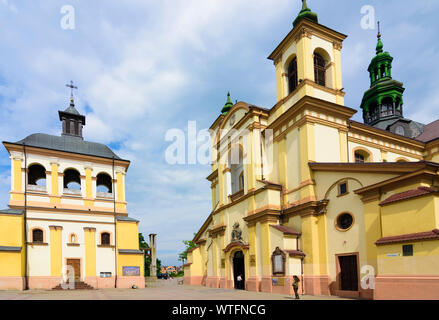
345,221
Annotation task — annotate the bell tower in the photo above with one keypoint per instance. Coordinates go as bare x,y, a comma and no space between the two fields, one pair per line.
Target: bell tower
382,103
308,60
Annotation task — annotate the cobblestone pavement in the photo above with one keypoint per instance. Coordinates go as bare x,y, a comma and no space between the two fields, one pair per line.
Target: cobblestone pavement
161,290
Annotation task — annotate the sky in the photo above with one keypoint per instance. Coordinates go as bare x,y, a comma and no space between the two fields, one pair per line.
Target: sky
144,67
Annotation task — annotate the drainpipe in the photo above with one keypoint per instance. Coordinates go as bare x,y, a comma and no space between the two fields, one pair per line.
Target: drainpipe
26,278
115,229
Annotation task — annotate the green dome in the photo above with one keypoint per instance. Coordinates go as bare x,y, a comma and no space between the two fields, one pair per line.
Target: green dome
228,105
306,13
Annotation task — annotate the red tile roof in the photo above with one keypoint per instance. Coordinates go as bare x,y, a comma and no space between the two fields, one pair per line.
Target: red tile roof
429,235
295,253
431,132
408,194
286,230
187,264
192,249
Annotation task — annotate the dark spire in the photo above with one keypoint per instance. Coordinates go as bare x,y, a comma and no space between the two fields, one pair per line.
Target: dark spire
384,100
228,105
380,45
72,120
306,13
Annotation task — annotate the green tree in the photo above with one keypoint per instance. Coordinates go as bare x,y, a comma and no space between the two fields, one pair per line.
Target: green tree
189,244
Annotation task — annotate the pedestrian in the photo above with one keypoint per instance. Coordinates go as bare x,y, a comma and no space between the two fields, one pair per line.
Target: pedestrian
296,286
239,279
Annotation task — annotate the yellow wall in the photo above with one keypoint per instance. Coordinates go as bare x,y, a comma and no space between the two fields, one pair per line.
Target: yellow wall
411,216
128,238
129,260
127,235
56,251
11,235
90,252
425,259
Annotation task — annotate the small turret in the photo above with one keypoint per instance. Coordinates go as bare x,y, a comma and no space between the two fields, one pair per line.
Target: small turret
383,102
228,105
306,13
72,120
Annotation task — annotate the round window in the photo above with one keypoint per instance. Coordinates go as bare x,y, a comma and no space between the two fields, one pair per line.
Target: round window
345,221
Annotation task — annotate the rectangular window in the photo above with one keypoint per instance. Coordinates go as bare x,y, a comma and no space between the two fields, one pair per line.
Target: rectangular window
342,188
105,274
407,250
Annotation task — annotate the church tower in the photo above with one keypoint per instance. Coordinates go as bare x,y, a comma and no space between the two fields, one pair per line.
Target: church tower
382,103
308,62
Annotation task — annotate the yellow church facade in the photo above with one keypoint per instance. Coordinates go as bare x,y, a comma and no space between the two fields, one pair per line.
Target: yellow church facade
67,220
350,208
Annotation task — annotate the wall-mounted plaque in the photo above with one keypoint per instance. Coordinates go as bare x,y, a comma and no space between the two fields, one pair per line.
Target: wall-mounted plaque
223,263
278,259
278,282
252,260
131,271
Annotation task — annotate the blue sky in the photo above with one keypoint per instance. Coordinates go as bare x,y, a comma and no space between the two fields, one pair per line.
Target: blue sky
143,67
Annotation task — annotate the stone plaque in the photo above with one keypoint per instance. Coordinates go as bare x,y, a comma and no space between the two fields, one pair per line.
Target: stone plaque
252,260
278,282
223,263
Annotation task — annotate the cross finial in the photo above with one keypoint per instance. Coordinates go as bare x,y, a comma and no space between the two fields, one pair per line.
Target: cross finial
379,30
71,86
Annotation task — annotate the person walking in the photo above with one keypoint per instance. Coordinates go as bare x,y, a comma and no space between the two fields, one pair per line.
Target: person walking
239,279
296,286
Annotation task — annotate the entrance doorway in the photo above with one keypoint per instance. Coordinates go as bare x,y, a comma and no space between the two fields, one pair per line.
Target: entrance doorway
348,273
239,270
76,265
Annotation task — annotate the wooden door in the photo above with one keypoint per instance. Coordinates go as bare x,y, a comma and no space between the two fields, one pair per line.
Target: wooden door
348,273
76,265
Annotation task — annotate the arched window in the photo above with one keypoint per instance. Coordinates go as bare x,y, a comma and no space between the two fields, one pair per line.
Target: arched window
236,169
319,70
387,107
361,156
105,238
72,180
73,238
292,75
37,235
103,183
36,175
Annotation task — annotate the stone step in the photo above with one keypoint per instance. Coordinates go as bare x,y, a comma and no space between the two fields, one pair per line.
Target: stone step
79,285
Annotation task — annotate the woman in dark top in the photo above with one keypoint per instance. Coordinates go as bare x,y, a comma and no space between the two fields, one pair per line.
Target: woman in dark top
296,281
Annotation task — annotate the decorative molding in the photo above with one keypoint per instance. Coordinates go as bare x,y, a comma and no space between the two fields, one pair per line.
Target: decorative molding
338,45
232,245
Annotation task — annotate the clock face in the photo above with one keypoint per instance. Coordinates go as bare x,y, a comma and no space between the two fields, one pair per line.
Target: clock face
232,120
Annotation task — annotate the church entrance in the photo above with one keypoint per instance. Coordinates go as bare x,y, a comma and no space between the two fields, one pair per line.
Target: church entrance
239,270
76,266
348,273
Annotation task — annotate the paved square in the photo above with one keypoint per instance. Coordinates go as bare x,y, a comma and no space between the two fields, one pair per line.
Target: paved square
161,290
